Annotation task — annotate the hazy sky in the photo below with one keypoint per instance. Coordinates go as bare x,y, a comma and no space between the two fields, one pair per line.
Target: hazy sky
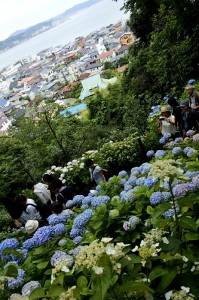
19,14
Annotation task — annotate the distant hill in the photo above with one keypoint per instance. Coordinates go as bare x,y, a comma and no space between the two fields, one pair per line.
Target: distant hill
20,36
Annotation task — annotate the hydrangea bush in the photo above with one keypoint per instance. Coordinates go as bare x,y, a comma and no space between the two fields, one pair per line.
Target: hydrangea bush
136,237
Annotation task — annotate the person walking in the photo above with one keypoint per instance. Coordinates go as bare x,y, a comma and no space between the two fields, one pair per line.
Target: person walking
96,172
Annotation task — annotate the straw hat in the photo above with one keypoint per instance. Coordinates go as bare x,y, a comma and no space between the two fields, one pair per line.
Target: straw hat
165,109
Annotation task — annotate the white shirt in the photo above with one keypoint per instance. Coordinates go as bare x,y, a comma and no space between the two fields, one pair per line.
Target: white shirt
41,190
96,174
193,101
168,127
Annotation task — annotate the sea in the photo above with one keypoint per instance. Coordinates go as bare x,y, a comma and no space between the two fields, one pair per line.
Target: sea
82,23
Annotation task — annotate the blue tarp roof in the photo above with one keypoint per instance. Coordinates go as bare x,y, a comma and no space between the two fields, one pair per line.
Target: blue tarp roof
3,102
73,110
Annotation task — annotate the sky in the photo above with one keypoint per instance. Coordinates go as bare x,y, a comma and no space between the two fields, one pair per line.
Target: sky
19,14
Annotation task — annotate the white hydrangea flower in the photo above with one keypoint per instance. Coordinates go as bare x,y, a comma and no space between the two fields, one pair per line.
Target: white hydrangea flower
168,295
53,167
186,289
184,258
106,240
165,240
98,270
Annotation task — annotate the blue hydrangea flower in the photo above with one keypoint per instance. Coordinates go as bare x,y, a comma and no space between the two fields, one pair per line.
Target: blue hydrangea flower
87,200
29,244
162,141
69,204
180,190
170,213
191,174
62,242
77,250
190,133
171,144
132,180
190,153
122,182
14,283
129,196
9,244
145,168
160,153
43,235
166,185
84,206
122,174
135,171
134,221
127,187
60,256
196,181
81,220
99,200
77,240
186,150
59,229
191,186
76,232
176,150
29,287
167,136
150,153
156,198
166,195
140,181
150,181
126,225
110,179
55,219
178,140
122,195
78,199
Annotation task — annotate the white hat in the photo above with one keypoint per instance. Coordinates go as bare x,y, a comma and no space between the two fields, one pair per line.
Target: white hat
31,226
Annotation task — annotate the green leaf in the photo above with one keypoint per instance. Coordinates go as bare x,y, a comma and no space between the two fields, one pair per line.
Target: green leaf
103,281
188,223
150,210
11,271
38,293
97,224
42,265
191,236
56,290
102,209
59,279
173,244
135,259
162,208
157,272
131,286
166,280
82,282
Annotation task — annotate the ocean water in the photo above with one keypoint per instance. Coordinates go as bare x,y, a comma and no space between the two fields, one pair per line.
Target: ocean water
82,23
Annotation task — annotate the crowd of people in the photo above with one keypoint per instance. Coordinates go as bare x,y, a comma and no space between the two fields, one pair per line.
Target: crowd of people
52,196
178,118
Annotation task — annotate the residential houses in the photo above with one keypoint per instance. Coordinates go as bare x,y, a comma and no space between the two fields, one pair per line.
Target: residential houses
45,73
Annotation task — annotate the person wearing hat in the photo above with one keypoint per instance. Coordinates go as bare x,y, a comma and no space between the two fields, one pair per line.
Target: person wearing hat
166,123
189,117
193,96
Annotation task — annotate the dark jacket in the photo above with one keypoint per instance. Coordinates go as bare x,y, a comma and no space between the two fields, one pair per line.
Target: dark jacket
66,193
192,120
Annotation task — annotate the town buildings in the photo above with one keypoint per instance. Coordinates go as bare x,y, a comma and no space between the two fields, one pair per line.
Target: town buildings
53,72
